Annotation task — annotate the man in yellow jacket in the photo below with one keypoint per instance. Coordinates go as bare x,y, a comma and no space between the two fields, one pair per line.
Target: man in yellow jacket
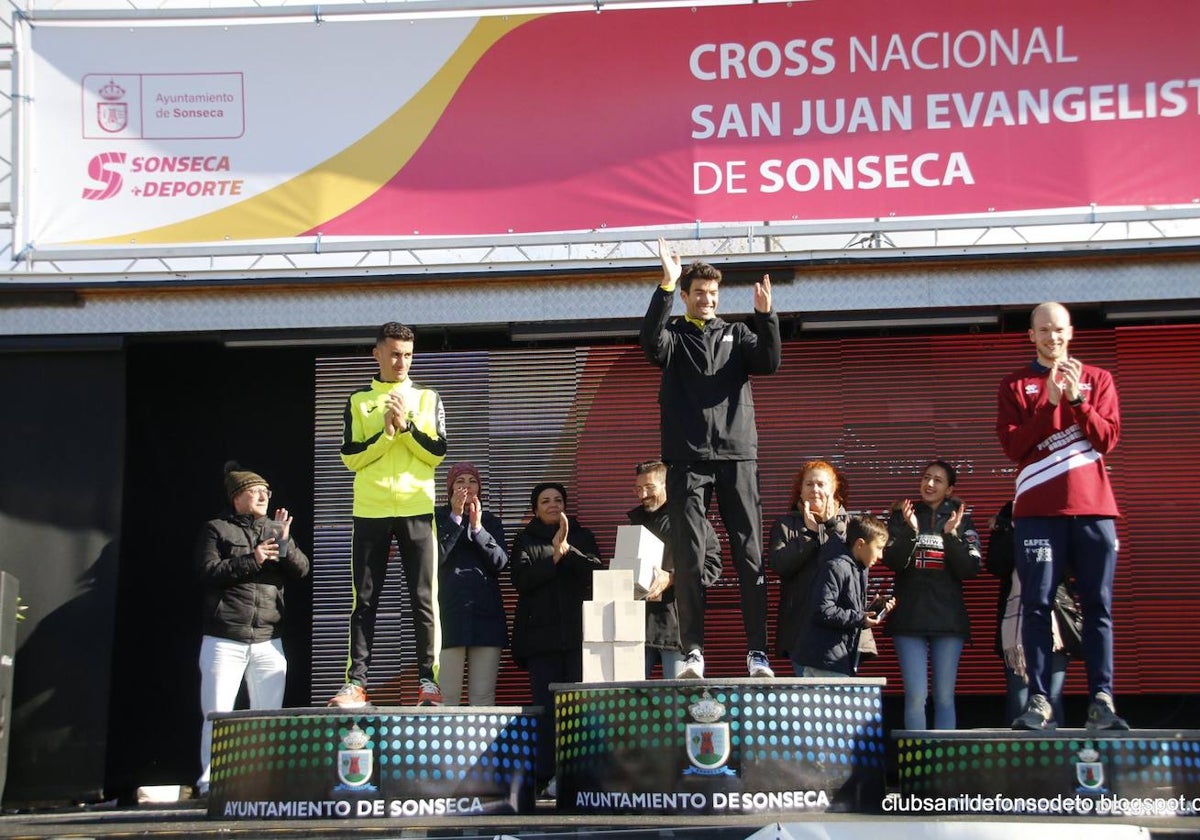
394,438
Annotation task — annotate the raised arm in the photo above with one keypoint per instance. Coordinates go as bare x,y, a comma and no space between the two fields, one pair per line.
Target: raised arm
961,544
902,535
655,341
761,346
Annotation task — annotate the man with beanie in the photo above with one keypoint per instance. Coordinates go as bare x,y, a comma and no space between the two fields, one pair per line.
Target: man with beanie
243,559
710,441
394,437
471,556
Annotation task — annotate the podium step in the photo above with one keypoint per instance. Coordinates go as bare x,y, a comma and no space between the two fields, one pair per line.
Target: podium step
1079,772
324,763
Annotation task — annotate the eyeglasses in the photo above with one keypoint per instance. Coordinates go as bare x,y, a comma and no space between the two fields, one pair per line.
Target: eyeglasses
259,491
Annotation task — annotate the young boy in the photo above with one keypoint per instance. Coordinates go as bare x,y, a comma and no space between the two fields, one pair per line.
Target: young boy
838,602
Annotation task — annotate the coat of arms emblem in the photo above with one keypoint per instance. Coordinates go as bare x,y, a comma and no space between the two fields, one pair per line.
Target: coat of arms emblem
112,114
1089,771
708,741
355,762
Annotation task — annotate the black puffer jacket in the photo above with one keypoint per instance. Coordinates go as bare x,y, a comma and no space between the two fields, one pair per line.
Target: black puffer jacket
930,567
706,406
837,606
549,616
792,554
243,601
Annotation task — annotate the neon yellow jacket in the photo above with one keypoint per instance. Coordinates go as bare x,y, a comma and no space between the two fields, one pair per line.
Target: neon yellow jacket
393,476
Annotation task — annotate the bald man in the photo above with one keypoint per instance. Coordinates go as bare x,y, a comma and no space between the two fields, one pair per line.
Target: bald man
1057,418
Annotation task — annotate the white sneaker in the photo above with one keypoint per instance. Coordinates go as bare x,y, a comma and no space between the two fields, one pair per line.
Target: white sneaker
758,664
693,666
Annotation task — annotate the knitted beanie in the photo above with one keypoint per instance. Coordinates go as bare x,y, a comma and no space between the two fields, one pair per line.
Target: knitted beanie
459,469
238,479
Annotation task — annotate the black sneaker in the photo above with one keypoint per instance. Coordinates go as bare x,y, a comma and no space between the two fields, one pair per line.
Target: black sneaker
1038,715
1103,715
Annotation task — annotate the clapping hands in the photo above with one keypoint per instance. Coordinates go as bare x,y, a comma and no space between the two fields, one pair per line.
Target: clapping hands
1064,380
396,419
561,546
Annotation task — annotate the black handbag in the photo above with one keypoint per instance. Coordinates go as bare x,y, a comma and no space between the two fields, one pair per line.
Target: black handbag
1070,620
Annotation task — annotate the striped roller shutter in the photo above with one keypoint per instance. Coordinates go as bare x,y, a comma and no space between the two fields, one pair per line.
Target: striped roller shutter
878,407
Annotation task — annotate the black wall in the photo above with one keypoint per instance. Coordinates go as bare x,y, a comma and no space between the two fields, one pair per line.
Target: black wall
191,407
62,447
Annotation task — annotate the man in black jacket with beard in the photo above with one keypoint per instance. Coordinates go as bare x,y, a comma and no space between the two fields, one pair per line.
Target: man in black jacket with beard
662,624
710,442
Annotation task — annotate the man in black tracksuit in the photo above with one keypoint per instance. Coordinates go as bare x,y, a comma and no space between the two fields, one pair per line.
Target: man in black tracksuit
709,441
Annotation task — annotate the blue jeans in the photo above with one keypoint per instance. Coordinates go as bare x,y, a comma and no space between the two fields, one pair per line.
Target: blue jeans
1018,691
914,653
672,662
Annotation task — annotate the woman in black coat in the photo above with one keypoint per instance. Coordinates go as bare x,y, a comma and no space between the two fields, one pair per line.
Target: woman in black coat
816,512
552,563
933,547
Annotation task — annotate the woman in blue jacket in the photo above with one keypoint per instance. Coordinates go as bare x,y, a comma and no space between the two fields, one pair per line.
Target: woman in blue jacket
471,556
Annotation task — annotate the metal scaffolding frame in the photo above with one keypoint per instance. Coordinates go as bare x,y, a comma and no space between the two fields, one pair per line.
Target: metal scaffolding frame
762,241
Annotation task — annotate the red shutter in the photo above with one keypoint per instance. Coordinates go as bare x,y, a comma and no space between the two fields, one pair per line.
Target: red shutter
877,407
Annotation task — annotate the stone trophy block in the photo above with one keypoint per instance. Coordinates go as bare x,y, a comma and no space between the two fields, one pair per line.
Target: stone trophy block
597,662
613,662
639,552
599,621
629,660
629,621
612,585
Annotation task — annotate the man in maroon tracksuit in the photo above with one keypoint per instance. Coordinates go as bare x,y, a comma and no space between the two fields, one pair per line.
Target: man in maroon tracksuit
1057,419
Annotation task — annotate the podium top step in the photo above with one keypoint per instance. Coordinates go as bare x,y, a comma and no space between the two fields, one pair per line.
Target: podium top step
376,711
1060,734
742,683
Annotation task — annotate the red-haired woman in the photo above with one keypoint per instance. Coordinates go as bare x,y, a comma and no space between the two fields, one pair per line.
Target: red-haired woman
815,514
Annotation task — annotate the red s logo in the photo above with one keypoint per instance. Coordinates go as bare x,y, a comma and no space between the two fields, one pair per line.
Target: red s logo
99,171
